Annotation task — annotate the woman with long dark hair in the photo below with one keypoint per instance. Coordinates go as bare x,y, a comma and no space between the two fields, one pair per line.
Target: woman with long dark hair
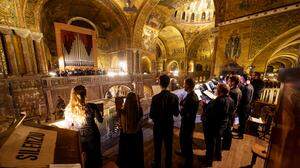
80,116
131,148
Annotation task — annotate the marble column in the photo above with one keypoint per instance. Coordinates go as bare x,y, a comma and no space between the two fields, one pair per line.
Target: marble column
215,33
10,51
137,62
154,67
130,61
29,62
3,65
40,53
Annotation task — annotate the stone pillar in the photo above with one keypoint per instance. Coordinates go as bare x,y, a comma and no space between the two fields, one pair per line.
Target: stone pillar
214,54
10,51
29,62
154,67
40,53
137,62
3,65
130,61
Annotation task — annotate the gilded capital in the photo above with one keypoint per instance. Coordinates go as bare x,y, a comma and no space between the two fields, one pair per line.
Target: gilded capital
5,29
24,33
36,36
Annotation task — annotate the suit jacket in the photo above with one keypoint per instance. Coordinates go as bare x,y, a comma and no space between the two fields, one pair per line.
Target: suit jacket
219,112
236,95
189,108
163,107
247,95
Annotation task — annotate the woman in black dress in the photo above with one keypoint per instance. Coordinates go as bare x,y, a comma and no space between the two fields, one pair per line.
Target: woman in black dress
80,116
131,148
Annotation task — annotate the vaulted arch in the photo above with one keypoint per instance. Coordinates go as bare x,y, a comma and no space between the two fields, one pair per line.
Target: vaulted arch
286,44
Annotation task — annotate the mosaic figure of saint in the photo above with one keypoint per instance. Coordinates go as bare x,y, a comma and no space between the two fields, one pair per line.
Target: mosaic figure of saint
233,47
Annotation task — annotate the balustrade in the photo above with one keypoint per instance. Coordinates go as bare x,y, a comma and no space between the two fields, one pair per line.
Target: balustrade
270,95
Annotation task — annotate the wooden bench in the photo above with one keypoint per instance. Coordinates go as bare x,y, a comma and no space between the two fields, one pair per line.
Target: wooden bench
258,150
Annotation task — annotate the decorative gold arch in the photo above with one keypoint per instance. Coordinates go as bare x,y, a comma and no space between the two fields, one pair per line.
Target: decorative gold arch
290,37
32,10
85,20
172,39
140,22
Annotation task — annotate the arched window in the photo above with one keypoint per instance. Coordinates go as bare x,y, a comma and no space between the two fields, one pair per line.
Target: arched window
193,17
203,16
175,14
183,16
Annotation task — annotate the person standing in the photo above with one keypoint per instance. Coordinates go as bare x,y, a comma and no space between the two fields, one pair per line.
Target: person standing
215,119
244,107
163,107
131,148
81,117
258,85
188,113
235,93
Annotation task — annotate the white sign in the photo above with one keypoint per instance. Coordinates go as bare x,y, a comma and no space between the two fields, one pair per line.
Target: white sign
28,147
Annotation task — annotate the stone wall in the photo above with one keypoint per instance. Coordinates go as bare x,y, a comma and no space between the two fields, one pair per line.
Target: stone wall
251,36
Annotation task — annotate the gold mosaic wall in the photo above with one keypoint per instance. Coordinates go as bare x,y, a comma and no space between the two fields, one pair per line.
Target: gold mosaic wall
8,12
253,35
238,8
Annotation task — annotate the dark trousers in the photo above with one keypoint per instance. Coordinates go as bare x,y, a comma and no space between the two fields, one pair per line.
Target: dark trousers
186,142
243,116
163,134
213,142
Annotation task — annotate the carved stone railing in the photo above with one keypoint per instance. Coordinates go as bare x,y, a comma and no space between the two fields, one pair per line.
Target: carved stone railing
37,96
270,95
88,80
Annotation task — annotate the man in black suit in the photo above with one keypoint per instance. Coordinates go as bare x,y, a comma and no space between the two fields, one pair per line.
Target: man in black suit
215,121
258,85
235,93
188,113
163,107
244,106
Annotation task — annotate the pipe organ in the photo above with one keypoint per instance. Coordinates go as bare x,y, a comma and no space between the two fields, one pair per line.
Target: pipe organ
76,46
78,55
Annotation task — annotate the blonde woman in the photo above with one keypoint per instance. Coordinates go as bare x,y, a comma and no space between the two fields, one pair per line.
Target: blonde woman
131,152
80,116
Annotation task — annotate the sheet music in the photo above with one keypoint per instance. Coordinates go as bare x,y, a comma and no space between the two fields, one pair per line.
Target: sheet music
209,94
198,93
208,87
256,120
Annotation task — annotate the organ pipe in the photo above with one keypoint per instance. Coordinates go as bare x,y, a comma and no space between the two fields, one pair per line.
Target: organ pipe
78,55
